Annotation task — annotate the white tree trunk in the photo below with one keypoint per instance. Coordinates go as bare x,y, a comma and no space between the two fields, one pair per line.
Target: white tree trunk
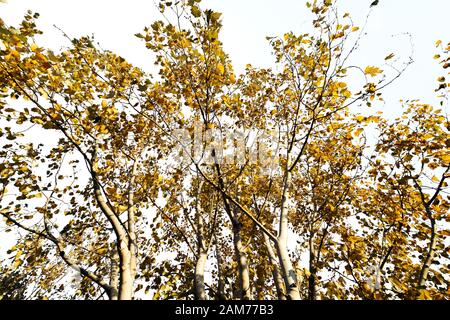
220,283
199,277
243,272
126,286
289,274
114,277
430,253
277,279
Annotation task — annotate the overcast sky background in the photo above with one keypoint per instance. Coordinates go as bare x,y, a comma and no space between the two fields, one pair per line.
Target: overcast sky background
248,22
246,25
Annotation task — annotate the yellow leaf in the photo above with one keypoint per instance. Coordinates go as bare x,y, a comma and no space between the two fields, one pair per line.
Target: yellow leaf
17,263
307,273
446,158
104,103
215,16
342,85
41,57
34,47
372,71
396,283
196,11
221,68
389,56
377,296
358,132
102,251
424,295
15,54
232,78
185,43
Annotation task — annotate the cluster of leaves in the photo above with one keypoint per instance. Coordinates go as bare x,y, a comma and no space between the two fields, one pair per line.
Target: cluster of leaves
91,185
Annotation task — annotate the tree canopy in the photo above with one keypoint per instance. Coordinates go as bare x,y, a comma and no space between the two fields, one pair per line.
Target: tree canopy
197,182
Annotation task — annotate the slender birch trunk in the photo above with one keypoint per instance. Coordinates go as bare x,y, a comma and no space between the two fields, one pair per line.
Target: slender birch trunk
199,277
289,274
243,272
430,252
220,283
202,254
114,278
132,245
126,280
277,279
312,275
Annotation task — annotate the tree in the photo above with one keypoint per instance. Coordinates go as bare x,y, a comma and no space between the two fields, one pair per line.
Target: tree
200,183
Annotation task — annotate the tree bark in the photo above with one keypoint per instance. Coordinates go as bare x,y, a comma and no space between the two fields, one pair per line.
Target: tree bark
312,269
126,280
430,252
312,278
243,272
289,274
202,251
199,277
132,245
114,278
126,283
220,283
277,279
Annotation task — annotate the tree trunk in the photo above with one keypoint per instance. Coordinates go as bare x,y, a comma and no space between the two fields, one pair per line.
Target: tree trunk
312,270
126,286
114,277
289,274
202,251
220,283
277,279
128,247
199,277
132,246
126,280
430,253
244,292
312,283
243,272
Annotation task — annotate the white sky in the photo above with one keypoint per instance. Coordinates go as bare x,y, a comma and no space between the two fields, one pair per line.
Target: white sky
248,22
